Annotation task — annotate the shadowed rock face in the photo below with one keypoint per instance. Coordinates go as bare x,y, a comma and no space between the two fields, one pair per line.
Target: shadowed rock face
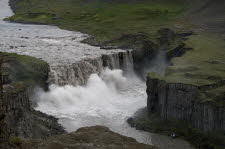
180,101
23,121
96,137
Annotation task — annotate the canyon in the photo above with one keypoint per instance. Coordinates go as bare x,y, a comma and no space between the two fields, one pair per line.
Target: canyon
100,79
75,70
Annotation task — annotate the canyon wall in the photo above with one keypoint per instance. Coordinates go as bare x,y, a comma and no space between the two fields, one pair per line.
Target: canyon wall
180,101
22,120
21,74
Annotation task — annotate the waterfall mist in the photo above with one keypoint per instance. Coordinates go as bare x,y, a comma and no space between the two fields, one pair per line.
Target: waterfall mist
98,97
107,99
158,64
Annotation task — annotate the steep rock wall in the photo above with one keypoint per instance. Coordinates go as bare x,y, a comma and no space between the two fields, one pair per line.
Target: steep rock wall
180,101
22,120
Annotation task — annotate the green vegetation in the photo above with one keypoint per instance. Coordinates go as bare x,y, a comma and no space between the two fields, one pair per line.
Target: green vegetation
202,65
152,123
16,141
104,20
23,71
154,75
108,21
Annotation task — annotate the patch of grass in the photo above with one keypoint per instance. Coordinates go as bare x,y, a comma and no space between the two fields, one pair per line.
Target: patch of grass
16,141
104,20
207,48
214,96
154,75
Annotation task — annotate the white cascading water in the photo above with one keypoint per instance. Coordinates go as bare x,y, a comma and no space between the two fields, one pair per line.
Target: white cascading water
107,99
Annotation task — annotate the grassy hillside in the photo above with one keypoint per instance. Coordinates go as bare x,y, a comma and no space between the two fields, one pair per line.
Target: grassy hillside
204,64
104,20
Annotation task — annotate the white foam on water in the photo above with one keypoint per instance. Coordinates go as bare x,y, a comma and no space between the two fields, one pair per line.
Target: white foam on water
108,99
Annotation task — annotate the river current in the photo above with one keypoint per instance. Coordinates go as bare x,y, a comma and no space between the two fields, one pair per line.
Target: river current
106,99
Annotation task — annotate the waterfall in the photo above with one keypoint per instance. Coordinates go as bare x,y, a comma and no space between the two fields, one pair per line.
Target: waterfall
79,72
108,98
100,91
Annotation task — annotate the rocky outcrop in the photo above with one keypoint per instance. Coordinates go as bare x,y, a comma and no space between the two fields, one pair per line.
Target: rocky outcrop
22,120
181,101
95,137
21,75
13,4
79,72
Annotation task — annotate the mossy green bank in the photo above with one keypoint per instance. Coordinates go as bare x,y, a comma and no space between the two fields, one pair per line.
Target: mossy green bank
24,71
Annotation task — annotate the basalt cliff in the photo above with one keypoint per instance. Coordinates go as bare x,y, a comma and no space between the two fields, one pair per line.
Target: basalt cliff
182,102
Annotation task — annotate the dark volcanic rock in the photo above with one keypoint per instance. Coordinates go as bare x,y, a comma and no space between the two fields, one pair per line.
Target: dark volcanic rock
180,101
23,121
13,4
21,75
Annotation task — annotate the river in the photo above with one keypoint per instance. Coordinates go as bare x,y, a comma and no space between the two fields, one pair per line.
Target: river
107,99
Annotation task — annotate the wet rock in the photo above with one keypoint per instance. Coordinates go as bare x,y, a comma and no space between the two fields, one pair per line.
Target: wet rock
108,47
24,37
178,51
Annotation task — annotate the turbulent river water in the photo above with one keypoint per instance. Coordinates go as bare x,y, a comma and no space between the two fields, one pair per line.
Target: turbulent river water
106,99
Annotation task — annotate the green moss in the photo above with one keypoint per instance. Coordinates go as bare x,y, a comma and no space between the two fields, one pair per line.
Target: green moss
214,96
16,141
24,71
196,66
154,75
